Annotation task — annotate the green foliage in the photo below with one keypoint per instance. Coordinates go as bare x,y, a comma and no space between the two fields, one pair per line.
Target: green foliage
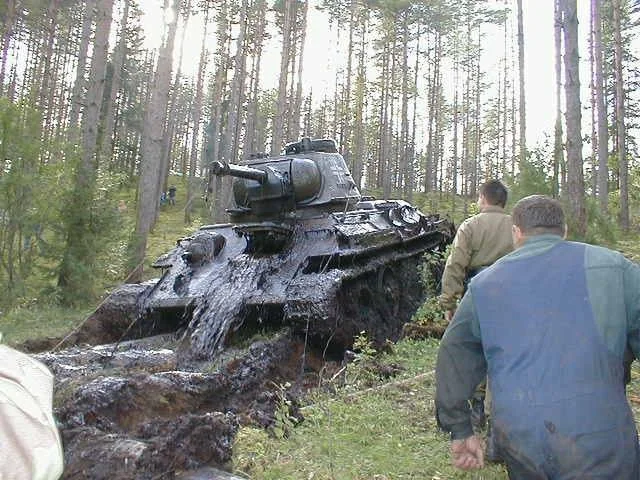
363,346
89,220
26,195
601,228
429,312
431,269
33,311
534,176
361,371
284,420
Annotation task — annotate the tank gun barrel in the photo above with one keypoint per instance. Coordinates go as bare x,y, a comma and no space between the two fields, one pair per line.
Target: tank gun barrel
221,169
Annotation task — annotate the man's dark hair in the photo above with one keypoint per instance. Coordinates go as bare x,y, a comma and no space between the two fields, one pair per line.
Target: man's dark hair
494,192
537,215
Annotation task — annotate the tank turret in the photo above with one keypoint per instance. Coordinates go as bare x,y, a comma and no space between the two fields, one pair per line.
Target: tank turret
311,175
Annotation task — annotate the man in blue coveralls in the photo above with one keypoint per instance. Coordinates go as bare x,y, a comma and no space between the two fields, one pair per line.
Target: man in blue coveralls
549,324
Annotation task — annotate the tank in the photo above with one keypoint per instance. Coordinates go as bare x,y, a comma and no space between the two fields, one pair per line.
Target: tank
302,250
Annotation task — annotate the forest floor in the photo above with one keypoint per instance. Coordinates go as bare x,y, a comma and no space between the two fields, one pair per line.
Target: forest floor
371,419
376,429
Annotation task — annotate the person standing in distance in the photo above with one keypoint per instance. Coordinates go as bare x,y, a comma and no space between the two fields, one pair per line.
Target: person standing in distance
548,324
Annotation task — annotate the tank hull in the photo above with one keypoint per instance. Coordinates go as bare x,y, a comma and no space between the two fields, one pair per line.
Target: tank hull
328,277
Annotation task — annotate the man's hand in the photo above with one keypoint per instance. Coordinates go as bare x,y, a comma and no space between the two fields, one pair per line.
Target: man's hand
468,454
448,315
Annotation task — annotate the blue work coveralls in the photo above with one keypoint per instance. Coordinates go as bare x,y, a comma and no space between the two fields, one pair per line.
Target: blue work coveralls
549,324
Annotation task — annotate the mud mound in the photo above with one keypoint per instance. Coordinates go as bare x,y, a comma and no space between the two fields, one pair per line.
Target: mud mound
157,449
144,414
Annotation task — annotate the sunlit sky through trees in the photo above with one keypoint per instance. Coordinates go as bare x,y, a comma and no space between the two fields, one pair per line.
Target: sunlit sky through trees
323,56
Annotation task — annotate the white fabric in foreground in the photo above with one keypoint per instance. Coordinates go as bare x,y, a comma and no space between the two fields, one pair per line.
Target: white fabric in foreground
30,445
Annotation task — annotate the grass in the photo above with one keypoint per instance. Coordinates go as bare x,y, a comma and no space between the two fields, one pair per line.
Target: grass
381,433
384,432
33,322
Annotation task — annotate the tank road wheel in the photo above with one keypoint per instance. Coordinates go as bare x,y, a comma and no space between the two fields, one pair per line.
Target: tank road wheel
389,293
378,302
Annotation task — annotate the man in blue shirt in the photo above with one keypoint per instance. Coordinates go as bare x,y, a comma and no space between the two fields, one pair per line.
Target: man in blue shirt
549,324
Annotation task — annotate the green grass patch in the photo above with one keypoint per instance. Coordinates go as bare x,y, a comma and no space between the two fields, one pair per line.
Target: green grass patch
38,322
384,432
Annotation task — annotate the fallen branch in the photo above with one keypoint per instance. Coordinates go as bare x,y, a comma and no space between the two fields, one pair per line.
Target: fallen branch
405,381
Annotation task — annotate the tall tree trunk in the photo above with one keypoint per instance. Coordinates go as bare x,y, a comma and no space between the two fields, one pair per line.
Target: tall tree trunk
456,121
216,123
347,111
414,121
91,116
575,178
505,84
118,65
196,113
59,97
558,147
79,240
523,117
382,126
478,132
404,110
514,117
152,143
620,117
360,91
80,82
389,164
295,117
44,73
172,126
5,41
278,120
431,134
237,86
603,131
288,128
250,136
593,108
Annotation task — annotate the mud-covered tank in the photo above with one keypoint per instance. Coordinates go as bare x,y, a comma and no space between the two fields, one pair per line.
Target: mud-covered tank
302,249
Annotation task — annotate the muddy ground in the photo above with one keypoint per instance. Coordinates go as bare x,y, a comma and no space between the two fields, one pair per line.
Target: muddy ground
130,411
140,409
